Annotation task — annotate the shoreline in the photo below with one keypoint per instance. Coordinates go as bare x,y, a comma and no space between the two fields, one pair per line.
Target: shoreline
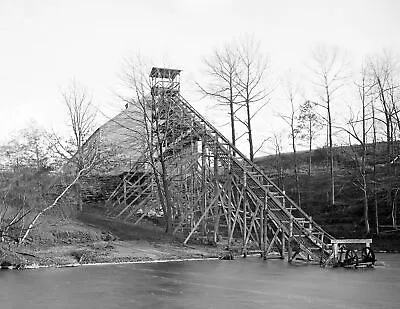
95,240
107,253
129,260
30,267
139,261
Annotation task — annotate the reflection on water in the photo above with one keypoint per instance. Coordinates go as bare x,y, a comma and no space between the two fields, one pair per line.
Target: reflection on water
242,283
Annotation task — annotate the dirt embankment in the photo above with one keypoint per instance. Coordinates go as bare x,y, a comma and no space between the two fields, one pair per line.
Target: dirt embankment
95,238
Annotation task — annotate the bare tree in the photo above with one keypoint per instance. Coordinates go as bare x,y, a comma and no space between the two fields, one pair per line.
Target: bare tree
28,148
383,71
12,221
77,149
309,124
25,190
329,72
291,120
221,69
250,85
40,213
277,139
154,129
374,177
364,92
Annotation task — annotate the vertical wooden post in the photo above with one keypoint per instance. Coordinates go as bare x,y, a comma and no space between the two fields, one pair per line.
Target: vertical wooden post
193,201
284,201
244,215
290,253
310,229
182,209
228,216
261,244
216,203
194,152
283,240
265,226
229,193
125,203
335,253
203,186
216,222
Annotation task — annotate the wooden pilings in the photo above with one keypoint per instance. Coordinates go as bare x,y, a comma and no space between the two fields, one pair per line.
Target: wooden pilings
290,251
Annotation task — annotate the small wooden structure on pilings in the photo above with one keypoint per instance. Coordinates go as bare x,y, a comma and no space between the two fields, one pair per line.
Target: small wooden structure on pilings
345,253
217,192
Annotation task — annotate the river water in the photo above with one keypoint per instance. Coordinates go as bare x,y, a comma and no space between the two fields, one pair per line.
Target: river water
242,283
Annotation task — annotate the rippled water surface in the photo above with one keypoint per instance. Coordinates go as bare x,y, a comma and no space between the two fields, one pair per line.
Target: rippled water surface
242,283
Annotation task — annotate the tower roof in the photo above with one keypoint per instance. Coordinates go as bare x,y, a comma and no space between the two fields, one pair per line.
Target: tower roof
164,72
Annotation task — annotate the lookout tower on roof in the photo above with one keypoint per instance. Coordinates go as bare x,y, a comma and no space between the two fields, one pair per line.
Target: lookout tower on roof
165,80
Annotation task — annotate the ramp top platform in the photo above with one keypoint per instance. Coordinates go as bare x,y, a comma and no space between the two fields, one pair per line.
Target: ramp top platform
165,81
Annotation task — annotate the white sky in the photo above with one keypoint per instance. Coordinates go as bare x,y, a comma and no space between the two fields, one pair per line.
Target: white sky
46,43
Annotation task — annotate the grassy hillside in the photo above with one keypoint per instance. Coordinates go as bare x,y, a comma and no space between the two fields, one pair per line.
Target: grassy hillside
345,219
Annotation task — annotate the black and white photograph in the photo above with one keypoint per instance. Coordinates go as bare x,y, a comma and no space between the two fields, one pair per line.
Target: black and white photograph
200,154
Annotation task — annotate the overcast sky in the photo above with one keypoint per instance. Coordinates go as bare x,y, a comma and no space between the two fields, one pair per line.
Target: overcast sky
46,43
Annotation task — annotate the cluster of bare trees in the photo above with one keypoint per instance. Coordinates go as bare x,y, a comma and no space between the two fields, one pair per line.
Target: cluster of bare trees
376,125
75,148
372,123
39,168
237,79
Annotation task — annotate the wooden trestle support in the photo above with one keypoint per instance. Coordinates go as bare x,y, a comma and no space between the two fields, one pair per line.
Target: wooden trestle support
219,194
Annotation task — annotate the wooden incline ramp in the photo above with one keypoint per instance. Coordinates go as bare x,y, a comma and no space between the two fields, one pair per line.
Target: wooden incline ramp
218,193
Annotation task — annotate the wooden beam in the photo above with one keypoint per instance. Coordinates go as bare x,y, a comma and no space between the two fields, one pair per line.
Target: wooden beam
352,241
216,207
272,241
244,249
204,214
203,184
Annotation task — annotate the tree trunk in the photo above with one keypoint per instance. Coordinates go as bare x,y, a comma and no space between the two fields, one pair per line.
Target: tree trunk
331,171
309,148
394,209
389,201
365,191
55,202
364,155
250,134
232,115
388,121
168,204
78,188
164,172
374,172
167,193
365,197
296,172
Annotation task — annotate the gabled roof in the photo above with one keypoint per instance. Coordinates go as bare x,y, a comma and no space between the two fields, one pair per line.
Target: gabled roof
120,142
